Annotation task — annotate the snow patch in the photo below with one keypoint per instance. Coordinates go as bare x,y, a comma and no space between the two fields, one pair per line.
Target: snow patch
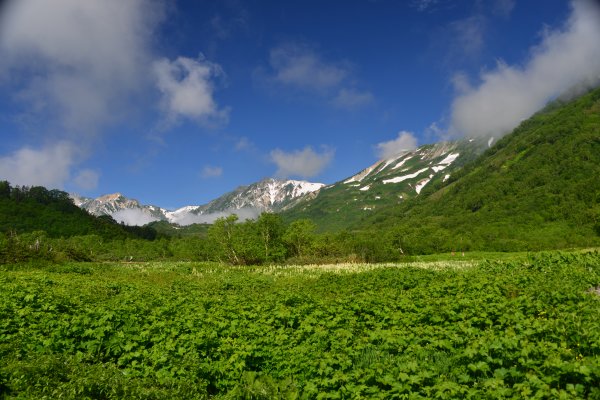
405,177
365,188
362,175
401,163
446,177
421,185
449,159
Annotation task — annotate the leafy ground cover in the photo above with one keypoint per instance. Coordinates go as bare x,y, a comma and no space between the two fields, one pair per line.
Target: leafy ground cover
525,327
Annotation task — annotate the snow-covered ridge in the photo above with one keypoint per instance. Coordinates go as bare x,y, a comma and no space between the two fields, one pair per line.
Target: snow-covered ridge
246,201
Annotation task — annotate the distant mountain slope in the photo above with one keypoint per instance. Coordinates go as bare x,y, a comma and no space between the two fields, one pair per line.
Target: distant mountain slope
537,188
386,183
248,201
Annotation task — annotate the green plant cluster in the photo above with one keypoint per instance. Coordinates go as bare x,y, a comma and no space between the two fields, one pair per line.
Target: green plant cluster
509,329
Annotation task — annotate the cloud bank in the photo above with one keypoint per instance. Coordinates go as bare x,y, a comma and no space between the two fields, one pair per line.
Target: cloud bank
304,163
132,216
565,58
405,141
243,214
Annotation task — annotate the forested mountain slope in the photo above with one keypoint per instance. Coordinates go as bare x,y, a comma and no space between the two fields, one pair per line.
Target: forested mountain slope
538,187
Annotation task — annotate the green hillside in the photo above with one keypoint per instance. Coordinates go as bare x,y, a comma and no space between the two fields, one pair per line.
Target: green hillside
24,209
537,188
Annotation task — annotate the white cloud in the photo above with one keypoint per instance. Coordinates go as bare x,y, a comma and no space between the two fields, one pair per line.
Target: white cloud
47,167
75,67
87,179
78,62
352,98
405,141
304,163
211,172
565,58
133,216
191,218
299,66
187,88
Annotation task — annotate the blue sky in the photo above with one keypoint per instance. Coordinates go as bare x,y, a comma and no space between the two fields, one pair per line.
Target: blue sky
176,103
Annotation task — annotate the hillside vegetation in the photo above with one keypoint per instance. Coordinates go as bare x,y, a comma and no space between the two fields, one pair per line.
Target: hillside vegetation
537,188
30,209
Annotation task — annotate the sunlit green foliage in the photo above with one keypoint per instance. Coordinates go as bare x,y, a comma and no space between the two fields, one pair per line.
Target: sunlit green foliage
510,329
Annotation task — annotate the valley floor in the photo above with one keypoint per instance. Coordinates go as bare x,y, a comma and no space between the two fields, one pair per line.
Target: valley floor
446,326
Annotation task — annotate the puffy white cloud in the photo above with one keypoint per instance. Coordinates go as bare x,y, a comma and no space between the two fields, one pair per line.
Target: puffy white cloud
133,216
87,179
48,166
187,88
211,171
304,163
352,98
77,61
405,141
75,67
565,58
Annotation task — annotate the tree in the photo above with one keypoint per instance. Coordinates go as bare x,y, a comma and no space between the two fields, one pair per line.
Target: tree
300,236
271,229
4,190
221,235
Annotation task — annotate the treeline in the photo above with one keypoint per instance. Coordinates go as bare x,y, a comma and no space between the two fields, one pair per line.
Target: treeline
265,240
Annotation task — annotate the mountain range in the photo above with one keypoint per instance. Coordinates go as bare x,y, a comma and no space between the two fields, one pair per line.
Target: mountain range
270,195
388,181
